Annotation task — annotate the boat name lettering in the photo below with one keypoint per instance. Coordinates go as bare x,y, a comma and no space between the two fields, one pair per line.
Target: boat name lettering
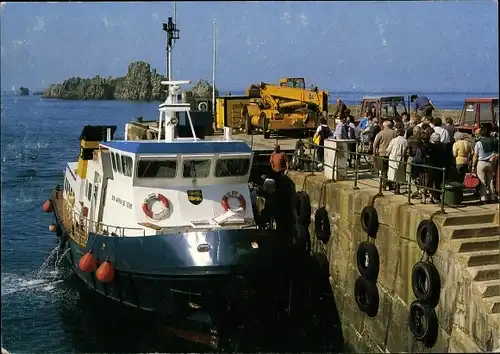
121,201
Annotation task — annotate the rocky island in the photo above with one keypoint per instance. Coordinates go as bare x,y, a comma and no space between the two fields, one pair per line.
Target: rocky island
140,84
24,91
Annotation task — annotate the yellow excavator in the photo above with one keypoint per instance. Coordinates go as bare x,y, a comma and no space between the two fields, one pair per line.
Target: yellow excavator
285,109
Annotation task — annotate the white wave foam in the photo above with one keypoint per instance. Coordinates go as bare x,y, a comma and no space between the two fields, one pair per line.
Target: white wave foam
45,279
12,284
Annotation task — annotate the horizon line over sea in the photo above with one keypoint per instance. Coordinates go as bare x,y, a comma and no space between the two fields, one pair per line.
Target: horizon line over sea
441,100
351,91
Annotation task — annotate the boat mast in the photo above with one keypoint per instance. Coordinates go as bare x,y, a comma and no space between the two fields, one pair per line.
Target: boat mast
172,36
168,119
213,71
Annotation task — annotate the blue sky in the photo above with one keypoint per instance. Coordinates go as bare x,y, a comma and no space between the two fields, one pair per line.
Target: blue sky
341,46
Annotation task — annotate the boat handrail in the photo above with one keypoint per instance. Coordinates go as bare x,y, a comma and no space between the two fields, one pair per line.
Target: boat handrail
97,226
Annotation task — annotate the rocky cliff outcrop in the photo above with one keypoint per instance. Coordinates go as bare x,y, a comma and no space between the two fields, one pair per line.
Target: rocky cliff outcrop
141,83
24,91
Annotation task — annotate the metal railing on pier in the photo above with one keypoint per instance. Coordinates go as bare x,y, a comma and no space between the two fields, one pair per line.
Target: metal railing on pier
357,173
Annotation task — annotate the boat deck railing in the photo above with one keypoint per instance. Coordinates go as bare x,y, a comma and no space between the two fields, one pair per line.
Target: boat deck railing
79,226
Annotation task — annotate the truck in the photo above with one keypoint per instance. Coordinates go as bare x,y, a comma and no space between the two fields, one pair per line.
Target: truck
383,106
477,112
287,108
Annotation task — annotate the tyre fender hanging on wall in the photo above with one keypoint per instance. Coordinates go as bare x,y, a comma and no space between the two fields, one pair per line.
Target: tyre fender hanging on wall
428,237
368,261
369,221
366,296
322,225
423,323
303,205
426,283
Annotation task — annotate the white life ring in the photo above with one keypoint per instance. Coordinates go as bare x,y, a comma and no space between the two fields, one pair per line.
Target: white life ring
148,203
203,106
235,195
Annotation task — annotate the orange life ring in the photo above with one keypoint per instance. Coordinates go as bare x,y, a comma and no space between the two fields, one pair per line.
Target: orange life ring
150,200
236,195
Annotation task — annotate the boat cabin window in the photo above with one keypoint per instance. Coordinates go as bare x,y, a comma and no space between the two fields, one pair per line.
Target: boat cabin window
89,194
127,164
232,167
67,186
88,190
118,163
113,161
196,168
156,169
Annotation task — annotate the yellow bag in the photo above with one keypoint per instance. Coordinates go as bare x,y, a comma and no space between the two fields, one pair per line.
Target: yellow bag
316,139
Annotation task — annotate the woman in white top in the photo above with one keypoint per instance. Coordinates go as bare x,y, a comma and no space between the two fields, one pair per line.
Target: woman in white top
396,153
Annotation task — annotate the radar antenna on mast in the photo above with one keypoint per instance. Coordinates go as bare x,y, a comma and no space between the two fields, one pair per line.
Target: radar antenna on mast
172,36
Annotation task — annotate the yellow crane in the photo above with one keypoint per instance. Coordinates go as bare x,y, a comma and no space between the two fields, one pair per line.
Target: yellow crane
285,108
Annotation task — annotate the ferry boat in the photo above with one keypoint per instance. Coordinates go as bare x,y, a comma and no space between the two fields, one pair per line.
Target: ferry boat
167,225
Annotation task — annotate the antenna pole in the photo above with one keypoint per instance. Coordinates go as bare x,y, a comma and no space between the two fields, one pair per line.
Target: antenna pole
213,69
172,36
175,12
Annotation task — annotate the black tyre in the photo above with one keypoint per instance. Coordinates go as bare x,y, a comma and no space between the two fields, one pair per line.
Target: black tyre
369,221
423,323
322,225
428,237
426,283
366,296
248,124
368,261
265,127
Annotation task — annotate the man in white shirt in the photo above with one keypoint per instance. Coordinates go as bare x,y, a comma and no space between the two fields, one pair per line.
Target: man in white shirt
444,136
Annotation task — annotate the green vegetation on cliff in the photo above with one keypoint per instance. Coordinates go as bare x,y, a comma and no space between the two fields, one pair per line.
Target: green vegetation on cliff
141,84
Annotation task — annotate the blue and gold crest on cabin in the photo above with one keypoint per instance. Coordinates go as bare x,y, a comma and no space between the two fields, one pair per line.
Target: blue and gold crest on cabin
195,196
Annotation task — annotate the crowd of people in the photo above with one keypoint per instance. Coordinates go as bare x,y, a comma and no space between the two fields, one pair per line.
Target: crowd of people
422,148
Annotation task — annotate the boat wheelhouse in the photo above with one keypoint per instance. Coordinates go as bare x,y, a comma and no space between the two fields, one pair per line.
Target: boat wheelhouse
139,188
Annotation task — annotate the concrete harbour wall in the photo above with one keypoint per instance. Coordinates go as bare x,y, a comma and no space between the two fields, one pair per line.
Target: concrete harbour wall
468,261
